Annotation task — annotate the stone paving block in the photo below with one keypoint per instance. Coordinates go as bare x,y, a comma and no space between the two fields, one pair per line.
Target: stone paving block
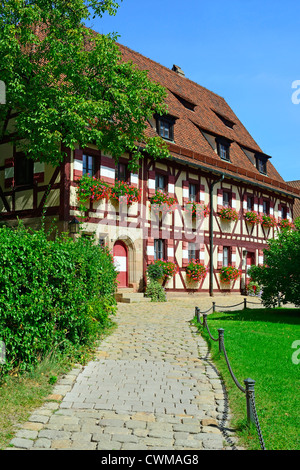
22,443
147,388
42,443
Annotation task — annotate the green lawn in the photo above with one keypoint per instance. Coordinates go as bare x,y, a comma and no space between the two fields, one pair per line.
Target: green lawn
259,345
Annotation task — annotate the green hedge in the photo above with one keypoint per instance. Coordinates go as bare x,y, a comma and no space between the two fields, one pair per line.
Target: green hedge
54,294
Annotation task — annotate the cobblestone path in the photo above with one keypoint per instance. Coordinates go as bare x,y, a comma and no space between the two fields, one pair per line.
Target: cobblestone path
151,386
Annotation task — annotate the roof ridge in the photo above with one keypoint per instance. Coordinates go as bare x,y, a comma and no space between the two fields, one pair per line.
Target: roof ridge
170,70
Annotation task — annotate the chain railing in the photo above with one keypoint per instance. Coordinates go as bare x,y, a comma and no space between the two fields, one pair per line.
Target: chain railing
248,390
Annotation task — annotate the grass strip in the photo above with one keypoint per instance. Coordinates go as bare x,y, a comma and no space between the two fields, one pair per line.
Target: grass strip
260,344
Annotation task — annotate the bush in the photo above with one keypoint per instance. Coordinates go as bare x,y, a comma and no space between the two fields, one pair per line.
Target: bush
155,291
280,275
155,271
54,294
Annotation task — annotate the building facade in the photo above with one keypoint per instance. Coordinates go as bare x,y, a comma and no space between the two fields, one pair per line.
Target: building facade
215,167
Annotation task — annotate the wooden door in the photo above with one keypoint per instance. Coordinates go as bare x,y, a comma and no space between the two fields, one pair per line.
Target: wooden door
250,260
120,254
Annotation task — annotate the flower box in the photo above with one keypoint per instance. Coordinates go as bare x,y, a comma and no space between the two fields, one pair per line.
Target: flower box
122,191
227,213
195,271
268,221
162,202
168,268
91,189
229,273
286,224
253,218
197,209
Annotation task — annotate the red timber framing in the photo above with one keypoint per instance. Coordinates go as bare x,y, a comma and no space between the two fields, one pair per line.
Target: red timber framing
203,121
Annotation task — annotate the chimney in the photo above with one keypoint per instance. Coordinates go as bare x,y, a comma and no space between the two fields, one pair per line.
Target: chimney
178,70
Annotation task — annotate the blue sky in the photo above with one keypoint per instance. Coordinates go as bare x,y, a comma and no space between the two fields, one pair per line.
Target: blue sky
247,51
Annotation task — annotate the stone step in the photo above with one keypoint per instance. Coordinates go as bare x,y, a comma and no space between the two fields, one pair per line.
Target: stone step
130,296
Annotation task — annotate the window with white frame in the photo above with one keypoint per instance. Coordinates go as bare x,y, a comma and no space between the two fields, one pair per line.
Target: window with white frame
192,192
192,251
160,182
226,256
159,249
88,165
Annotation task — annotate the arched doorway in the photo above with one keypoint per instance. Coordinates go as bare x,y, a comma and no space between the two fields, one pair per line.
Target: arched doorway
120,254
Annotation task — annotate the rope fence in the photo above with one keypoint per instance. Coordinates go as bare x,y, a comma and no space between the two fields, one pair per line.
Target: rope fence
248,389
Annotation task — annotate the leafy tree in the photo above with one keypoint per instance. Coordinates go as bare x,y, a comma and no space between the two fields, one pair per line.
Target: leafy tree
280,275
66,84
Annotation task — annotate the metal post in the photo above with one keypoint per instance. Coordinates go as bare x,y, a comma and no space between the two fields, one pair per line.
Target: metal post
221,339
197,314
204,319
214,306
249,383
245,303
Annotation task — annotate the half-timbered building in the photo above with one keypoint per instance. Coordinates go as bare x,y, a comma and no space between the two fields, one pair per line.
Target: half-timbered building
214,161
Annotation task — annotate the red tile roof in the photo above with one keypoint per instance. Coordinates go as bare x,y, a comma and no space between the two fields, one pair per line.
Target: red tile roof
189,142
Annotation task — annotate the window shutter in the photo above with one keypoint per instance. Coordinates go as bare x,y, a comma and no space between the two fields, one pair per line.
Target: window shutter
202,193
185,192
220,199
279,212
171,185
220,256
151,183
233,200
9,172
38,172
170,251
185,254
77,168
233,256
107,169
261,206
255,203
134,179
150,250
260,257
202,252
245,205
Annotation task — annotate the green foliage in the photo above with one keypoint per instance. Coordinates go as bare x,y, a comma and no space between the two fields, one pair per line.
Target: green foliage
70,85
155,291
168,268
280,276
54,294
155,271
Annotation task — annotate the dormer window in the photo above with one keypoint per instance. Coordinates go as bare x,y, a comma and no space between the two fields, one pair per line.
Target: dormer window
187,104
226,121
165,127
223,147
261,164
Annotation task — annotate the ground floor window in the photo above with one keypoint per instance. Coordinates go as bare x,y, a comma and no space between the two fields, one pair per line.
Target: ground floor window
226,256
159,250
